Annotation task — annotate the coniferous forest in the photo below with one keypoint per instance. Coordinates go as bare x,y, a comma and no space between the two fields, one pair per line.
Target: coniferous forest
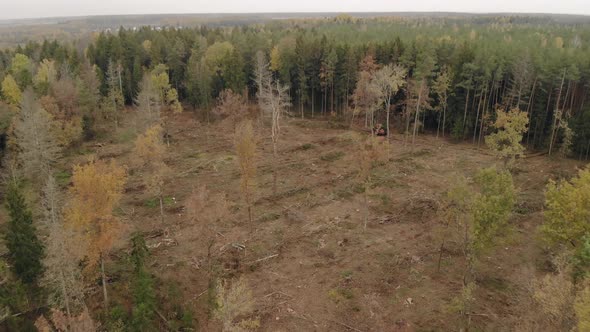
338,173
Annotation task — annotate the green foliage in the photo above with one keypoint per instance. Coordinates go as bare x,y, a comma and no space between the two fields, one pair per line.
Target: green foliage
13,295
25,250
506,141
492,206
582,308
568,210
332,156
144,297
338,295
581,260
464,301
21,69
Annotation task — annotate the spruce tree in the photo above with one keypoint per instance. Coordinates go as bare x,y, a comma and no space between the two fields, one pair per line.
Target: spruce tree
143,288
24,247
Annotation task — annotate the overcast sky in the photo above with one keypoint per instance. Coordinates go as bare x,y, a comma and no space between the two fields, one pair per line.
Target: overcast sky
10,9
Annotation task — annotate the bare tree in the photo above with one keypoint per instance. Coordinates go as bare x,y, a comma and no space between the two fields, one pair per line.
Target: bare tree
149,105
62,273
234,301
274,101
261,76
369,151
38,147
207,210
231,107
245,144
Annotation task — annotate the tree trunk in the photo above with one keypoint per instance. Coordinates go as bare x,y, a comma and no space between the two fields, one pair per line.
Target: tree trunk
332,97
444,119
417,112
104,282
465,111
366,198
161,208
529,109
388,106
274,171
312,102
542,124
477,114
484,109
66,298
555,120
440,254
438,124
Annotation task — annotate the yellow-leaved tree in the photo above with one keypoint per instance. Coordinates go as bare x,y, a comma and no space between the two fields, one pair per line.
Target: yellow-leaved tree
567,210
46,75
11,91
96,191
149,155
505,142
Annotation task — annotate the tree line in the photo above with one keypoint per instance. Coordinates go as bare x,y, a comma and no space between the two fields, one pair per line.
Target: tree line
457,72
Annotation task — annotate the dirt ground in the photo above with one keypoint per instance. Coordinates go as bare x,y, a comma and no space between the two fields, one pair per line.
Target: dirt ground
307,258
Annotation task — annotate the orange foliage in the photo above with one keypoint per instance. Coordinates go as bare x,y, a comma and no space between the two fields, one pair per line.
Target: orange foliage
96,191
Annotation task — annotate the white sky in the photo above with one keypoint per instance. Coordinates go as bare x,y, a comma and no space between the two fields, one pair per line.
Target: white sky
10,9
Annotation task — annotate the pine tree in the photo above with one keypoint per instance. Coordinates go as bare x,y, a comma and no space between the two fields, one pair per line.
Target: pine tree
25,250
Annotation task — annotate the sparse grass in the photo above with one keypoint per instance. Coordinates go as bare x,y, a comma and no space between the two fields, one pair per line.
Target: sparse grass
304,147
346,274
270,216
155,202
384,205
338,295
350,191
283,195
125,136
332,156
62,177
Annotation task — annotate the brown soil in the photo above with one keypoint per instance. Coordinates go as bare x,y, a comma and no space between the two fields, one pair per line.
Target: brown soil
330,273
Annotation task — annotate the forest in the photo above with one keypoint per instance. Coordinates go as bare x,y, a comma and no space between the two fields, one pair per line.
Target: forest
345,173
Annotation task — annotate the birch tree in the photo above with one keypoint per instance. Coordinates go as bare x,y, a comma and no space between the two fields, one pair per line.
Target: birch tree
149,155
386,82
441,87
274,101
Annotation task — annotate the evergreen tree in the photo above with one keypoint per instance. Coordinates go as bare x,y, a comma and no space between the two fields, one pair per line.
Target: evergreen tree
144,296
25,251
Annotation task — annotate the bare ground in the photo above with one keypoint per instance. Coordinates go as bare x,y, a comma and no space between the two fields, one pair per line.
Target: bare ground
307,258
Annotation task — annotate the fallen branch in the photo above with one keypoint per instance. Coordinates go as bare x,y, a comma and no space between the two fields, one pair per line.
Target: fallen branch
163,319
263,259
196,296
347,326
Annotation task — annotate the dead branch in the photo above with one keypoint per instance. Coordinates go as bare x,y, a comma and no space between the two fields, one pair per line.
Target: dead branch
347,326
163,319
263,259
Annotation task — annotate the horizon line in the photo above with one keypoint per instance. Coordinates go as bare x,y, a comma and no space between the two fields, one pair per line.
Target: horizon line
294,12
